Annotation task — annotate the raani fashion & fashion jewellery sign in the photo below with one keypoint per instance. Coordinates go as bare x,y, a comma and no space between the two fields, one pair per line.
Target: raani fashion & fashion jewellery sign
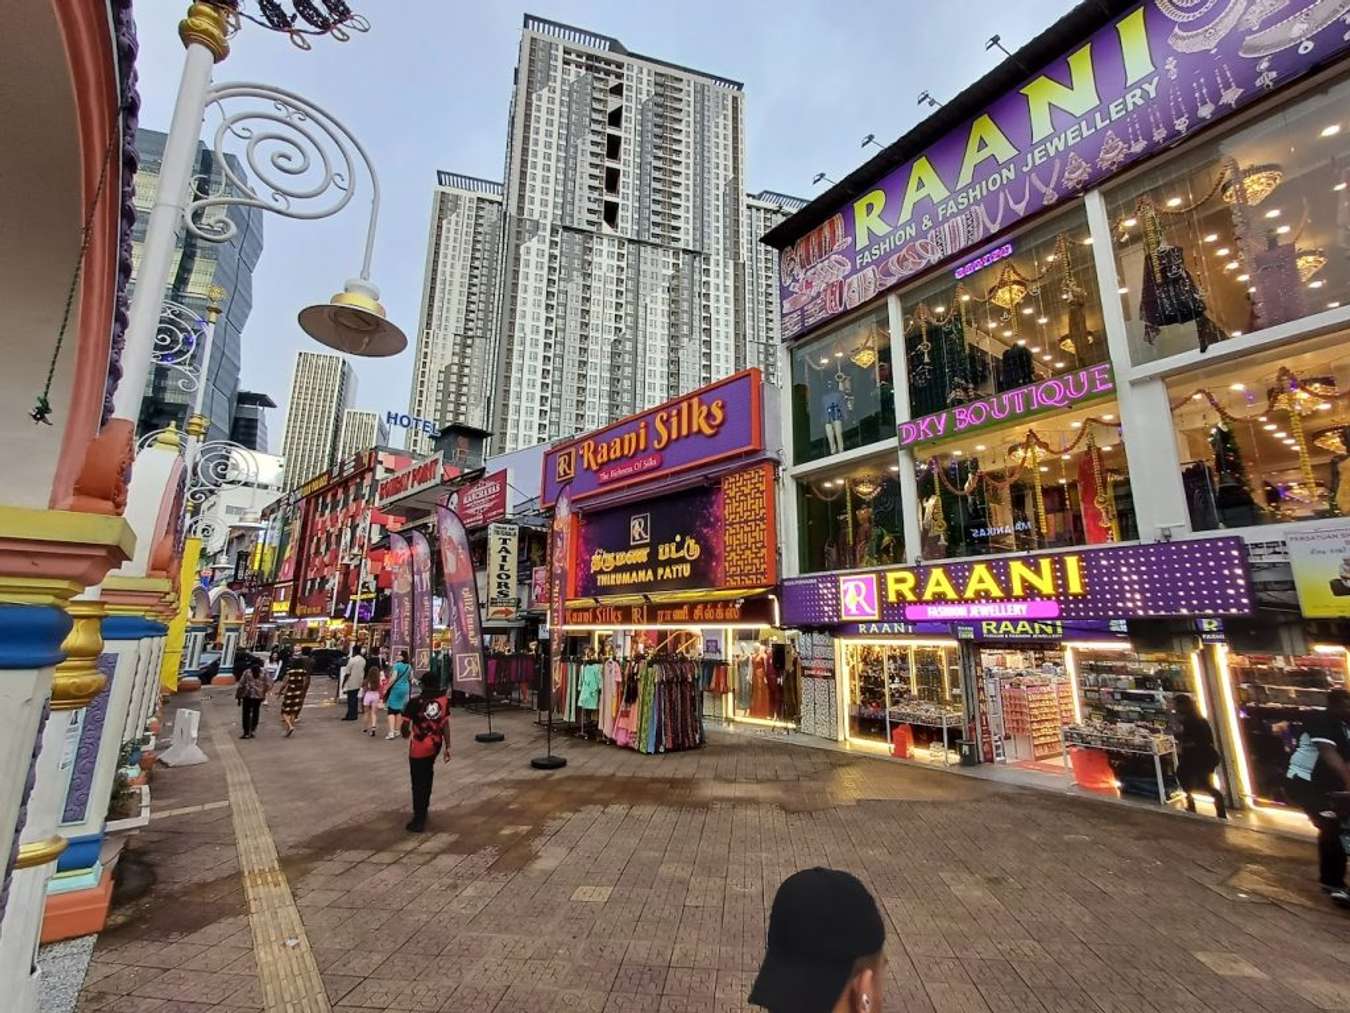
1133,88
711,424
1058,392
1206,576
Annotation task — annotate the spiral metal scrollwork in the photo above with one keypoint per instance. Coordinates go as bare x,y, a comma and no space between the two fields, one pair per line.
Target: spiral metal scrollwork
219,465
301,162
177,340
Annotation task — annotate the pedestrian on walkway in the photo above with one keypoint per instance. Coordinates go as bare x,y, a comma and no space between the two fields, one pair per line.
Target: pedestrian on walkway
372,688
398,691
426,726
353,674
272,671
251,692
1197,756
1318,771
298,673
824,953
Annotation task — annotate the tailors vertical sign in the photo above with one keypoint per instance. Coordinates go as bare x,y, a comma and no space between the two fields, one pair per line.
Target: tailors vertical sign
501,574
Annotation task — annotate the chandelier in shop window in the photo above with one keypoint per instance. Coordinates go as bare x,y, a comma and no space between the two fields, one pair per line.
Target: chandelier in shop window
1258,182
1309,263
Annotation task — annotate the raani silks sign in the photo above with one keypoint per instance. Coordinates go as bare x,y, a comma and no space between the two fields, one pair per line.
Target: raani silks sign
1197,577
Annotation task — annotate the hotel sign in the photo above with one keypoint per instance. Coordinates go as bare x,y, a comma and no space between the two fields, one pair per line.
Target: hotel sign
1142,83
1187,578
1061,393
714,423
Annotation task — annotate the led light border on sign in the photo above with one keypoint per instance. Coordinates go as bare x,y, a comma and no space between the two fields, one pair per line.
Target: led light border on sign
981,262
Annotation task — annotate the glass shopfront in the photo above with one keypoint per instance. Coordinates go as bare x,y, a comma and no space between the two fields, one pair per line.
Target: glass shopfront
1058,481
1264,440
1240,234
850,517
1032,313
905,695
842,391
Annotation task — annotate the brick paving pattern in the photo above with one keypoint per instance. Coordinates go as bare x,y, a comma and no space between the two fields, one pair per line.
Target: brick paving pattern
625,882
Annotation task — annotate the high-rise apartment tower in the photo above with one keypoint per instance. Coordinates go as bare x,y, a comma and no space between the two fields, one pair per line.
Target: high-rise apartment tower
322,389
361,430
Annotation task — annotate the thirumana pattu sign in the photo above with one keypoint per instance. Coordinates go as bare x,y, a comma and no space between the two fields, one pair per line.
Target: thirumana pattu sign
1142,83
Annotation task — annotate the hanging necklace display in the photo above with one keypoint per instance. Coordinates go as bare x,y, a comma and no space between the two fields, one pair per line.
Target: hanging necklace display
1047,190
1113,153
1077,172
1177,105
1102,499
1260,10
992,225
1159,131
1206,39
1230,91
1296,398
1078,336
1204,108
1181,12
1295,30
1136,135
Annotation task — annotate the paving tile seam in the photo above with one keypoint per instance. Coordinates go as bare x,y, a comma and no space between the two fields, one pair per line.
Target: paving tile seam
288,974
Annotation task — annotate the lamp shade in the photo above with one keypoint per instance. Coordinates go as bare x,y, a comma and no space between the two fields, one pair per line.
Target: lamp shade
353,321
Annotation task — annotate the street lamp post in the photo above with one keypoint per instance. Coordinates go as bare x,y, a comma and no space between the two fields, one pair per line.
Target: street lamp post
352,321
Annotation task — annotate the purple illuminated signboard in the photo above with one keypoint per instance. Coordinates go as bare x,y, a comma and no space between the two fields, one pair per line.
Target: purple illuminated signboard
1058,392
714,423
1206,576
1132,89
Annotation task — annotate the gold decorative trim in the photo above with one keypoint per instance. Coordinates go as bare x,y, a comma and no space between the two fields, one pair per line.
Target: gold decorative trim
207,26
196,426
77,680
41,852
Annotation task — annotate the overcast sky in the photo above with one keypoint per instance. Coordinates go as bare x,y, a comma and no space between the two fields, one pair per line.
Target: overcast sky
428,88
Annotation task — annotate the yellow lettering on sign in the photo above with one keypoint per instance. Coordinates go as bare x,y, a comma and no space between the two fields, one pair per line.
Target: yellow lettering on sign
1041,579
924,181
1076,98
986,140
867,220
938,584
1134,47
1073,575
900,585
982,582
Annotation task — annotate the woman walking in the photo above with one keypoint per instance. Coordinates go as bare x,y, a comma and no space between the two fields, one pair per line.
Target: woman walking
272,671
294,690
1197,758
397,693
371,688
426,726
251,692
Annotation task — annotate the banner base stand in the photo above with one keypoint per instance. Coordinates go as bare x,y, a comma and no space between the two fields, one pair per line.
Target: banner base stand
489,737
549,762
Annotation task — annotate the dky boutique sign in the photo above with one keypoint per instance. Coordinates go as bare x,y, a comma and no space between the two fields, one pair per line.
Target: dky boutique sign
1132,89
1206,576
699,538
711,424
1059,392
482,502
425,474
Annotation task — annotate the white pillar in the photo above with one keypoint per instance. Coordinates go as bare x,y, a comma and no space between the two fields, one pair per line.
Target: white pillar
909,481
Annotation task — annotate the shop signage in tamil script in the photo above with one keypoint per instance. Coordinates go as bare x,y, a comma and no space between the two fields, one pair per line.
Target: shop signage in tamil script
1206,576
1132,89
503,602
703,537
717,613
717,422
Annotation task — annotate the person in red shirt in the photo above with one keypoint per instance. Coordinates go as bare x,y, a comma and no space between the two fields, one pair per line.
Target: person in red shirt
426,726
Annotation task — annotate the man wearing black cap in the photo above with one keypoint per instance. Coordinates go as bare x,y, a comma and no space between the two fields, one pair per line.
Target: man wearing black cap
825,941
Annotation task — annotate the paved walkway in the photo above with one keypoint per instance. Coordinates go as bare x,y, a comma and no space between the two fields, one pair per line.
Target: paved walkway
625,882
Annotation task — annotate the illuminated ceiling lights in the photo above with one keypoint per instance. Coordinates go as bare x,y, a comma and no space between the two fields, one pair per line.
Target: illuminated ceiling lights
1258,183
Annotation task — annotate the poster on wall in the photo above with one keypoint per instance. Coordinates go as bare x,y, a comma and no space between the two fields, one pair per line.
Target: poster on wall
1320,558
538,587
1137,86
503,602
399,562
461,593
704,537
421,576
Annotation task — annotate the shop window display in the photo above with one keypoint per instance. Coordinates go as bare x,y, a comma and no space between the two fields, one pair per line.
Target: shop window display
1026,698
1275,695
842,392
1059,481
1264,441
851,518
1238,235
1034,312
906,696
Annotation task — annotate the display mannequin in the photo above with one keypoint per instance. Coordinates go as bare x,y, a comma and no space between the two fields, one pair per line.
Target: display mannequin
834,404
